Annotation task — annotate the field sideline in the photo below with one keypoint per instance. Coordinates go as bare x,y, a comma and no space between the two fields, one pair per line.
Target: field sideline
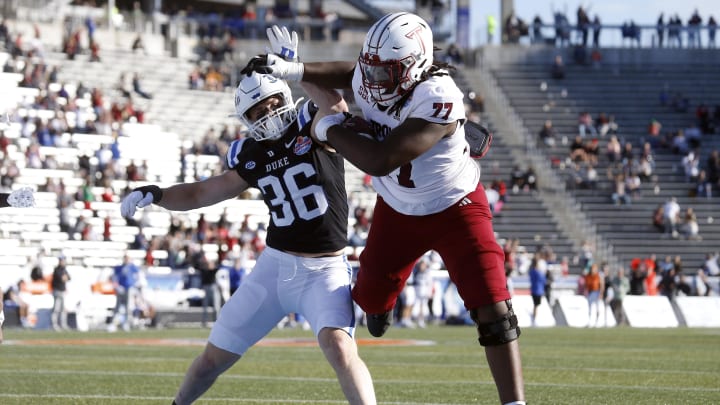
562,366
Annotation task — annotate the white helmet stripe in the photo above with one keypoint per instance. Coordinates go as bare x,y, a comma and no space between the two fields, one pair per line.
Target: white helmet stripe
373,42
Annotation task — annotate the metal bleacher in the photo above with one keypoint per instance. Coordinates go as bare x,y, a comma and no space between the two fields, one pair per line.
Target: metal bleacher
631,94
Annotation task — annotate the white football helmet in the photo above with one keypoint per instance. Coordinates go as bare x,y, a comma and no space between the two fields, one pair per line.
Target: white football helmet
398,49
256,88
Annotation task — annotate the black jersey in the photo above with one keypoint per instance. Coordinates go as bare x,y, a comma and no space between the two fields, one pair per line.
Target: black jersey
302,184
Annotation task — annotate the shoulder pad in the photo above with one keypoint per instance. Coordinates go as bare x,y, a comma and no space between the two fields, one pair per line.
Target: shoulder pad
231,159
305,114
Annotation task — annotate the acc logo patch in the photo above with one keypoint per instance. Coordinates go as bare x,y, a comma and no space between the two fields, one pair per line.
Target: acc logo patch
302,145
250,165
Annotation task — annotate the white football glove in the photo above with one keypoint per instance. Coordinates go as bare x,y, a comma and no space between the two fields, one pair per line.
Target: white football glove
276,66
283,43
325,123
22,198
134,200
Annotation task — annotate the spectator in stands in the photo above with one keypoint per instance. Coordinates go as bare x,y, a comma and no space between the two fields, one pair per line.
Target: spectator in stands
515,28
122,85
557,71
690,228
562,29
583,25
668,284
658,218
126,281
537,36
679,143
538,281
499,186
701,285
211,297
423,284
691,166
137,87
693,30
530,180
491,28
638,275
711,267
671,217
594,287
237,272
587,178
633,185
613,149
13,299
712,29
585,125
660,29
517,179
94,51
547,134
59,281
620,192
596,27
702,186
646,163
620,286
606,124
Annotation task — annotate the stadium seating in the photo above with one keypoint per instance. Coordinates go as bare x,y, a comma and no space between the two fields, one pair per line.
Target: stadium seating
631,94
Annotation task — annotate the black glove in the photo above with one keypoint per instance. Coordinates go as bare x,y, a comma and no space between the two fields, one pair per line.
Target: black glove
152,189
479,138
259,64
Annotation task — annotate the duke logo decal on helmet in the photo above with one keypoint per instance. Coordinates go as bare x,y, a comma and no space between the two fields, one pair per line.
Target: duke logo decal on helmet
252,90
397,51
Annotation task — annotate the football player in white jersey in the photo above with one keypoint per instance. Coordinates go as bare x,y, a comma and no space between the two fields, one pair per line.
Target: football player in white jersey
303,269
429,192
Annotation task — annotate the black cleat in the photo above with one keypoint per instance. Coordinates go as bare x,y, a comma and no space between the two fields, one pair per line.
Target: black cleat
378,324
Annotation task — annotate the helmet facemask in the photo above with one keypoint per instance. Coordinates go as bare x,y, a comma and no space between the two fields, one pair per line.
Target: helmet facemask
396,53
273,124
386,80
255,89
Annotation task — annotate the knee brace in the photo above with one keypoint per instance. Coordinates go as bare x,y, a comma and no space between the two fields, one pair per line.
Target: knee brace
501,331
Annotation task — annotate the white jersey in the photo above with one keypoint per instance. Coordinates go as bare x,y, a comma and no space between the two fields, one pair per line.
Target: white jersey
441,176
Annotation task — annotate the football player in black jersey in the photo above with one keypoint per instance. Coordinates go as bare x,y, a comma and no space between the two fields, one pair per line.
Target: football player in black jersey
303,269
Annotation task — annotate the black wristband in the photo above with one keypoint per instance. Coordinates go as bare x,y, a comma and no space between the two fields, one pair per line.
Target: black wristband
4,200
152,189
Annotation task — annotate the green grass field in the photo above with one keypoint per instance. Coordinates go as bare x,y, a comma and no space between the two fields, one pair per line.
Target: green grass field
561,366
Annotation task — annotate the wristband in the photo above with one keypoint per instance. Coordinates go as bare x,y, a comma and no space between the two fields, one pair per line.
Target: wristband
325,123
152,189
